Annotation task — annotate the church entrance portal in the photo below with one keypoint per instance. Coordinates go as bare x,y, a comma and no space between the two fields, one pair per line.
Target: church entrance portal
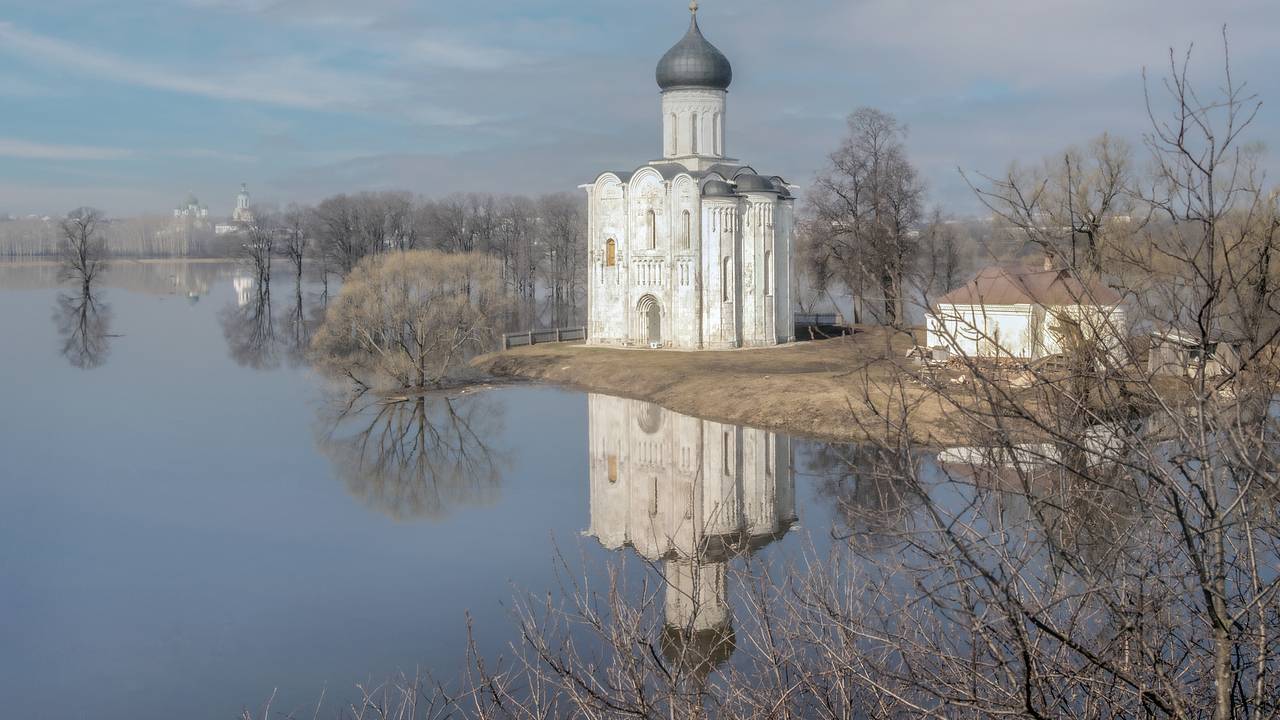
650,319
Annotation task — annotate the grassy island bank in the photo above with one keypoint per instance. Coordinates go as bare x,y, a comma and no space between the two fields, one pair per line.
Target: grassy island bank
844,389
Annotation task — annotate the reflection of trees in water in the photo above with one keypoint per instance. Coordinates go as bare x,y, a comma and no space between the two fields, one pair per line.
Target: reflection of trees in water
297,322
250,330
84,324
420,457
865,484
259,337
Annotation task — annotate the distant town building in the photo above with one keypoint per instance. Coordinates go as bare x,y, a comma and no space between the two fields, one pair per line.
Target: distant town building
692,250
191,211
1024,312
241,217
242,213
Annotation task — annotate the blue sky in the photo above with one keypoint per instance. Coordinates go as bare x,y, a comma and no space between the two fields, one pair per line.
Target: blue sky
130,104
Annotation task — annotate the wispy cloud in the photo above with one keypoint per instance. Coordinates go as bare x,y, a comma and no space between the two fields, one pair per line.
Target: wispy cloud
23,149
461,55
289,81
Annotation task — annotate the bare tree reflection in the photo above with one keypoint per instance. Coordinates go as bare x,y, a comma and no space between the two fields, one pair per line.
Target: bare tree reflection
297,323
84,325
864,484
419,457
249,327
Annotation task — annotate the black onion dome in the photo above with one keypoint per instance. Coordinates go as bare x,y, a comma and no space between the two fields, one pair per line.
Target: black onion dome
694,63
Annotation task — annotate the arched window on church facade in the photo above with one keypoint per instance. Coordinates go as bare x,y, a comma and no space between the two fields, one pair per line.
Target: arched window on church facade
652,223
686,234
610,253
717,134
768,272
693,126
675,135
726,280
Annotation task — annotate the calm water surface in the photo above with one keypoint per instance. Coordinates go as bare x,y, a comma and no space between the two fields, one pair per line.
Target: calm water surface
190,519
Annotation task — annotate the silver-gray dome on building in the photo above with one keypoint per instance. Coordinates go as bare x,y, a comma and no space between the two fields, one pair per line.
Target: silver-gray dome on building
694,63
717,188
754,183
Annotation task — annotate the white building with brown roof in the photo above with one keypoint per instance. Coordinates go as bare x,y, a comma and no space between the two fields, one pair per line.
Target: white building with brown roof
1024,312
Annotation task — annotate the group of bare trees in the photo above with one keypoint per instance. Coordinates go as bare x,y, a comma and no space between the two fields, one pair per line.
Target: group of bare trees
865,234
539,243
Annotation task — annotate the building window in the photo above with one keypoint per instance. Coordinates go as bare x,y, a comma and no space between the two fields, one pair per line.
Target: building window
653,500
675,135
717,134
610,253
694,129
768,272
688,230
652,221
726,280
613,468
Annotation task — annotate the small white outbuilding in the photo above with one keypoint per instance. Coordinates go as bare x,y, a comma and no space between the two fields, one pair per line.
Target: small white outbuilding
1023,312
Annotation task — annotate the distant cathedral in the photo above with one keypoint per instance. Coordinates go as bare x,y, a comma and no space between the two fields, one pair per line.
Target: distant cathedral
241,217
191,211
693,250
691,494
242,213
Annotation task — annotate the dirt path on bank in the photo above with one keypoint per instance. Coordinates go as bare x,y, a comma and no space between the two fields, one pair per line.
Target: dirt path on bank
846,389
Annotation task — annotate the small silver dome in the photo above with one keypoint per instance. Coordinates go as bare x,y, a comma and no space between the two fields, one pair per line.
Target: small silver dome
694,63
754,183
717,188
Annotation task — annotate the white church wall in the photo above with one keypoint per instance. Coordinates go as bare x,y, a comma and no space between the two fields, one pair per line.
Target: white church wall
608,220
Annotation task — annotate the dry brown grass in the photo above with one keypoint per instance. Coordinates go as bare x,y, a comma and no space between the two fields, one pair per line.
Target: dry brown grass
842,389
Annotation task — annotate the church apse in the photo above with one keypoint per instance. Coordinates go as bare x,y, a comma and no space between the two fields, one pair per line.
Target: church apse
689,495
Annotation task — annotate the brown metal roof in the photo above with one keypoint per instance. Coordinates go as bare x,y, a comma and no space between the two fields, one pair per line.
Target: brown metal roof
999,285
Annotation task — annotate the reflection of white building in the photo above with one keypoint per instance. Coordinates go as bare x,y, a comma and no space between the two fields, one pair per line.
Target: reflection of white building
692,493
244,286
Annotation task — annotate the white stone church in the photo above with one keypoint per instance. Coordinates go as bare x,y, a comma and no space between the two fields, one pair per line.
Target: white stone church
693,250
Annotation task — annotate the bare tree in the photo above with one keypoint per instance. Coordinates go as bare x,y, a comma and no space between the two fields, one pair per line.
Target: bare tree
865,207
940,251
258,246
295,242
563,237
83,249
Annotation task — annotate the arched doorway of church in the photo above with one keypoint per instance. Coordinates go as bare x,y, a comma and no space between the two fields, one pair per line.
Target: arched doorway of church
649,319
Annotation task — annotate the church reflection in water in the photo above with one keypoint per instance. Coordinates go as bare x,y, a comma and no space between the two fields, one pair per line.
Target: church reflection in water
689,495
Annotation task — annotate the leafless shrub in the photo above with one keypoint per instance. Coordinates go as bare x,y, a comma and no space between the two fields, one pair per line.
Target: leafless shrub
410,320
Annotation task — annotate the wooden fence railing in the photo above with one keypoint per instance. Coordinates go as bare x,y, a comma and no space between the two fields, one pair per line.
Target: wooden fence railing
539,337
819,319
